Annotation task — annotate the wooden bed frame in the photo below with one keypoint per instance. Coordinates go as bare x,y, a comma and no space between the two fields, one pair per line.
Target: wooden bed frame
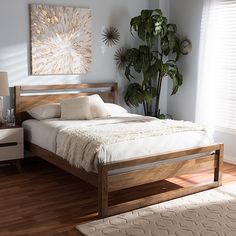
211,156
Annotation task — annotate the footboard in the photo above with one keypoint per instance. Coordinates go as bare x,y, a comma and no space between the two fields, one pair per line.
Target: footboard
154,169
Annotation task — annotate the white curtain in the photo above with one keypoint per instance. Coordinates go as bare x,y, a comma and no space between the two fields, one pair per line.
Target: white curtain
216,98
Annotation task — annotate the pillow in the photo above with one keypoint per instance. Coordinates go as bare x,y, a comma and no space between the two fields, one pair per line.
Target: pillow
83,108
97,107
75,109
114,109
47,111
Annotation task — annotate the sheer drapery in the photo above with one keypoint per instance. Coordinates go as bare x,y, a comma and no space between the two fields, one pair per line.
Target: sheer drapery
216,100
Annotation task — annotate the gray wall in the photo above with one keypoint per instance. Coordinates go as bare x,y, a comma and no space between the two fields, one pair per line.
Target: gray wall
14,40
187,15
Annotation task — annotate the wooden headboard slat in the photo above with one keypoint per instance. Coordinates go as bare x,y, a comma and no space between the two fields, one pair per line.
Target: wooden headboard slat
27,97
68,86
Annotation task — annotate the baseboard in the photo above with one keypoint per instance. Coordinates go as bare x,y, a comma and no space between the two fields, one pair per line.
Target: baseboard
230,159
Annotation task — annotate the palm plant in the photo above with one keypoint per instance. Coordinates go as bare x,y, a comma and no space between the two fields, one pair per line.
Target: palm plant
151,61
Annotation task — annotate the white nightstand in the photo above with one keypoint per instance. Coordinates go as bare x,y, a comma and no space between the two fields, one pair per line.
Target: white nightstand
11,144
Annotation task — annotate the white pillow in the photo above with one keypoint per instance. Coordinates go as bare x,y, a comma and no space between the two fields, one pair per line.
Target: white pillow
83,108
97,107
47,111
114,109
75,109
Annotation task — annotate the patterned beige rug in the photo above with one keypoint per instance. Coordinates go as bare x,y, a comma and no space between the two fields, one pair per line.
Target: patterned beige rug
209,213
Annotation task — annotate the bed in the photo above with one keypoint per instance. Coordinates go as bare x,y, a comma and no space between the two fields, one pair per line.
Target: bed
170,157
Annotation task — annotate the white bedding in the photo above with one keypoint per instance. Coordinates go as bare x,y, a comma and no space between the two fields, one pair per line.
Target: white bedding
44,134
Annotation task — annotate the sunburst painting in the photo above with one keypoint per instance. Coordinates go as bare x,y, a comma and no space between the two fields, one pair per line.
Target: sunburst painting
60,40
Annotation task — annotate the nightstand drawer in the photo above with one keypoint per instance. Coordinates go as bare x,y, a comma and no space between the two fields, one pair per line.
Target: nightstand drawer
12,152
11,144
11,135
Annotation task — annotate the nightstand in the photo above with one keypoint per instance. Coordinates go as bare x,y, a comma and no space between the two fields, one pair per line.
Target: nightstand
11,145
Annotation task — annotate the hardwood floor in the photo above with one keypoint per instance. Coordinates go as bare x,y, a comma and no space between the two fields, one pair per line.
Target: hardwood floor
46,201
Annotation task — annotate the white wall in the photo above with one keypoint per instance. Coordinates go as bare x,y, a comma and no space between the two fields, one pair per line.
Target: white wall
187,15
14,40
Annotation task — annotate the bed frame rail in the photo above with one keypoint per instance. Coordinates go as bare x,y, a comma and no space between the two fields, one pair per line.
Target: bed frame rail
108,183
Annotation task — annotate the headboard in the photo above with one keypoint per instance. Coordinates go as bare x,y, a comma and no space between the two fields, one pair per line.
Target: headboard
27,97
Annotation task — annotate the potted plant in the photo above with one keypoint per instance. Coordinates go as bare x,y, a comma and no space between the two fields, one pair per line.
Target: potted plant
155,60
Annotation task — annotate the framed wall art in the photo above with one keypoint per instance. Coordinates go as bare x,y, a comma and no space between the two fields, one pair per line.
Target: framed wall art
60,40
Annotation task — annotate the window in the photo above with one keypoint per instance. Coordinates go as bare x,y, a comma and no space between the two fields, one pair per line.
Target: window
217,74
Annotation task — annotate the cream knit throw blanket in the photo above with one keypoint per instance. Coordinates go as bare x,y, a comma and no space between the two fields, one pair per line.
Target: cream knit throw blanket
79,145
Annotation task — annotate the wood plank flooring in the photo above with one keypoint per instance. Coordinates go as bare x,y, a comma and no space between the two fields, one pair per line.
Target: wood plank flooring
46,201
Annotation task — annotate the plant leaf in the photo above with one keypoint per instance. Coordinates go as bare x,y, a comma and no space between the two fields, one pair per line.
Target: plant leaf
135,95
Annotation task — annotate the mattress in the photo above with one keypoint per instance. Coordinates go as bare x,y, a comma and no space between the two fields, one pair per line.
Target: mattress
44,134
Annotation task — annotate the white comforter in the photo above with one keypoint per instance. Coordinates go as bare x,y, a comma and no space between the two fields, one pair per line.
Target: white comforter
80,145
54,135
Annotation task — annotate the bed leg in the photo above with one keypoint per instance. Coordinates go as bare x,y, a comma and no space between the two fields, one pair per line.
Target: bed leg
102,191
219,165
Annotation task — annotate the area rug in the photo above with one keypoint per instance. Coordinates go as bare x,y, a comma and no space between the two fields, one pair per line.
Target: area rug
209,213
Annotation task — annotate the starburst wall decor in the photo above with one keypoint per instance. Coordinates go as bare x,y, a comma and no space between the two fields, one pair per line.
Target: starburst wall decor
60,40
110,36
